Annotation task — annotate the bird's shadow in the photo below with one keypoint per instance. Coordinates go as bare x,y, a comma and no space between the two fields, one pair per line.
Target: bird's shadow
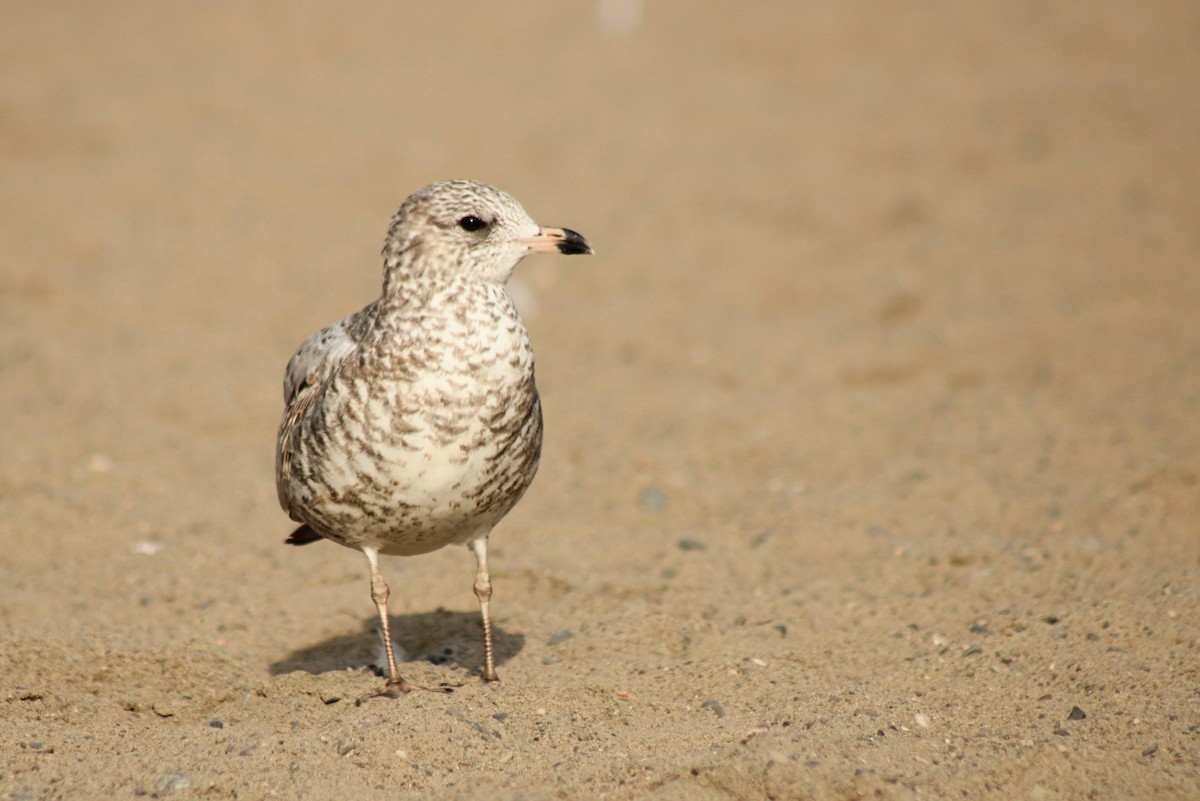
441,637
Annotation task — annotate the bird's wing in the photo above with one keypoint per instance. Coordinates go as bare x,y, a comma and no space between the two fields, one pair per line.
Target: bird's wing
309,370
318,358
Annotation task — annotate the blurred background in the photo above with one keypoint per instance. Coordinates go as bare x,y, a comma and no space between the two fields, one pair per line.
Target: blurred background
893,316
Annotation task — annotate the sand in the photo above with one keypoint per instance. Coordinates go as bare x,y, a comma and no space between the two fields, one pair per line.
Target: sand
873,427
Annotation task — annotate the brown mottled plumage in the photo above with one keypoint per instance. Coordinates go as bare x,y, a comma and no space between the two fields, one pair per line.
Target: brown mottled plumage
415,422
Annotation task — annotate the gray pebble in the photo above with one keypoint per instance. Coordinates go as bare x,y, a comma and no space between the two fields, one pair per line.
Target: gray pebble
652,500
760,538
971,650
1076,714
715,706
559,636
688,544
171,781
549,660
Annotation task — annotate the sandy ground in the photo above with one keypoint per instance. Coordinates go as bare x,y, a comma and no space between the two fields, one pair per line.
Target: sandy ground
873,429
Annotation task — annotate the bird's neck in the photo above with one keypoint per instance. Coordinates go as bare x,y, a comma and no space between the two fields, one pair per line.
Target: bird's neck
411,275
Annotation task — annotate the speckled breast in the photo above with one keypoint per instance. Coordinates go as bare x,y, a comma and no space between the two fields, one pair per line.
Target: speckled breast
428,435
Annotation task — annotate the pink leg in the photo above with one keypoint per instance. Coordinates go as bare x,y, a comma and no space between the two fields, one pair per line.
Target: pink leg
380,594
483,591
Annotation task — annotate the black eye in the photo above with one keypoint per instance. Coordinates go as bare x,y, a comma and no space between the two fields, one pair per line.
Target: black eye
472,223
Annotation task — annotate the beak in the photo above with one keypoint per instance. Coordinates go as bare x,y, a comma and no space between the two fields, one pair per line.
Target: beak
557,240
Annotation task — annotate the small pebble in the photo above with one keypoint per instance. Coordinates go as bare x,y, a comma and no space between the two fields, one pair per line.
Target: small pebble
171,781
500,716
761,537
99,463
979,628
146,547
1150,751
687,544
715,706
559,636
1076,714
652,500
922,720
164,709
1061,732
216,723
549,660
971,650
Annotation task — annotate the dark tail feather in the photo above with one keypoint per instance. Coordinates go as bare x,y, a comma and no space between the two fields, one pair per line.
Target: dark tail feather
303,536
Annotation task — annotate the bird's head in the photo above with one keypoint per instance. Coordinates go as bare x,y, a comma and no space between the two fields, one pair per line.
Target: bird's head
467,229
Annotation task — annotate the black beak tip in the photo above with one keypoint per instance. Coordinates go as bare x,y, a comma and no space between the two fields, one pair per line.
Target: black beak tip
573,244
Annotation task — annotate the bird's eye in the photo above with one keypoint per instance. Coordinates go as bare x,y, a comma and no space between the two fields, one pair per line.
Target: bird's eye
472,223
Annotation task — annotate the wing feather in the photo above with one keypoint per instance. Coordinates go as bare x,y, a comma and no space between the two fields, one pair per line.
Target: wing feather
311,367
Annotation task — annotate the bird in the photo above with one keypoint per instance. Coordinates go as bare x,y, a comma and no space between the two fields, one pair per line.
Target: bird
415,423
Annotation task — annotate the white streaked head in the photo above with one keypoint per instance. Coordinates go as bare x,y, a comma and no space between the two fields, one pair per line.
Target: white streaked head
466,228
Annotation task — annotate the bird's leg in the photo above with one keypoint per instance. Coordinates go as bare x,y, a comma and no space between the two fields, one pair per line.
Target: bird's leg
396,685
483,591
379,594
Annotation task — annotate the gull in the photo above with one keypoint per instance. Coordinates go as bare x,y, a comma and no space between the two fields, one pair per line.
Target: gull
415,422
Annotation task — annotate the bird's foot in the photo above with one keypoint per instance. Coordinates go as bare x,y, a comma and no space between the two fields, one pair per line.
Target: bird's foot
401,688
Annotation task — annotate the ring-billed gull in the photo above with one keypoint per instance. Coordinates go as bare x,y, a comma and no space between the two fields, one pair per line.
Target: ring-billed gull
415,422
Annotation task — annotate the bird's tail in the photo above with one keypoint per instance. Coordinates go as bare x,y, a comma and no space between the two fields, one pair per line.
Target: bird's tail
303,536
